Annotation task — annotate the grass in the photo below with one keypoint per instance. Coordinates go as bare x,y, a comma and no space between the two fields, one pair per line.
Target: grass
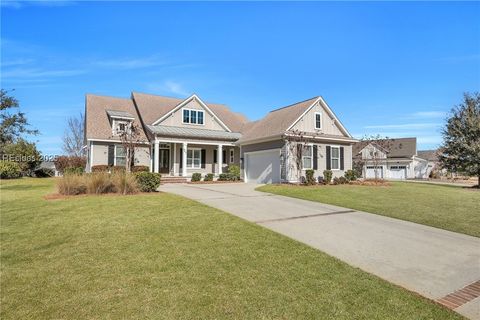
447,207
162,256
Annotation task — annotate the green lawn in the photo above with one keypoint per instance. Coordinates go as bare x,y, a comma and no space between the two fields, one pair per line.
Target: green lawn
446,207
162,256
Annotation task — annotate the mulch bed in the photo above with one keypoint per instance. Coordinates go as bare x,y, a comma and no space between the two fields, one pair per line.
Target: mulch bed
213,182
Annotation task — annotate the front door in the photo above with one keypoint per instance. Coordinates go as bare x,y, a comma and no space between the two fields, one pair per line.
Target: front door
164,161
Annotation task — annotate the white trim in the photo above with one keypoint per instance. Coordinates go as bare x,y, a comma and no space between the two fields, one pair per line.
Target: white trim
121,117
156,157
328,109
174,158
315,120
325,139
190,116
113,141
195,142
245,159
184,102
339,157
115,155
231,157
310,145
194,149
91,155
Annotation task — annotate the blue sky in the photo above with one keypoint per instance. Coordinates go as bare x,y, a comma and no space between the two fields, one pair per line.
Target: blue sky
384,67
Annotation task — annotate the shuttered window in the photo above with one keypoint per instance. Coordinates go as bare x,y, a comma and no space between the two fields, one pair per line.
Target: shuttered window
307,157
335,158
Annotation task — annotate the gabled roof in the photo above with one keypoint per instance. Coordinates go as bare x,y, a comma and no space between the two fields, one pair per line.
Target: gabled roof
430,155
398,148
276,122
120,114
97,124
153,107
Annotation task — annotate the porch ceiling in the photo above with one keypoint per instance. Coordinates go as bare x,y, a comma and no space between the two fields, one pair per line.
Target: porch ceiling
170,131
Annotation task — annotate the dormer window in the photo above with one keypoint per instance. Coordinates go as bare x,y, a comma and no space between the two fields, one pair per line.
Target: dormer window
318,120
191,116
120,126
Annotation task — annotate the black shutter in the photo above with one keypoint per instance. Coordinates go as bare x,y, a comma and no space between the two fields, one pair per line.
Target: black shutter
203,158
111,154
224,156
215,156
328,157
315,157
181,156
342,166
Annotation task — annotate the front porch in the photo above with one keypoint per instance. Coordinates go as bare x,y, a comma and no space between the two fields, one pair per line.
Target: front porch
182,158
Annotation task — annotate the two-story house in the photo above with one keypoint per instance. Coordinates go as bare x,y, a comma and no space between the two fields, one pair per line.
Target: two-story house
181,137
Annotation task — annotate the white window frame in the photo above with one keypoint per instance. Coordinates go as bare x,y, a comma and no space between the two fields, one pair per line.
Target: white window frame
190,116
115,155
192,165
115,126
331,158
310,156
232,155
315,121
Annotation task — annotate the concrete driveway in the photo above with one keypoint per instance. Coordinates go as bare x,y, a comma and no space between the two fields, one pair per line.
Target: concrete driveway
430,261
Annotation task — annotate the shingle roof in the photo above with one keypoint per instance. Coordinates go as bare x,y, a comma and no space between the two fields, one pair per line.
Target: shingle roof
275,122
96,118
398,148
171,131
119,114
430,155
153,107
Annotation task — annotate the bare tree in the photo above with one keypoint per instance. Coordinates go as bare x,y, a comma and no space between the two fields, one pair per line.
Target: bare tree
296,145
377,154
130,138
73,137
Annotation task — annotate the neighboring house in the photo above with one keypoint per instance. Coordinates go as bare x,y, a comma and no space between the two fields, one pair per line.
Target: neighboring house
433,161
181,137
391,159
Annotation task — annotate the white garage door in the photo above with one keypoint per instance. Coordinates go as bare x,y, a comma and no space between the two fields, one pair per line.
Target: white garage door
370,174
263,166
398,172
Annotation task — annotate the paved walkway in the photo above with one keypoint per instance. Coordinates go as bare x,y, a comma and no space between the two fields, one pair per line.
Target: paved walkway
430,261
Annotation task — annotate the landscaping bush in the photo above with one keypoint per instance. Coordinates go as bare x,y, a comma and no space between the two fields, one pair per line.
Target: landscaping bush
99,183
234,172
124,183
196,177
351,175
148,181
327,176
43,173
100,168
64,162
10,170
208,177
116,169
223,177
71,184
140,169
309,178
73,170
321,180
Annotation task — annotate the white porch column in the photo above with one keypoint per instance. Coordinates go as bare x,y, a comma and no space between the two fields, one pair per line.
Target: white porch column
157,156
220,158
174,158
184,159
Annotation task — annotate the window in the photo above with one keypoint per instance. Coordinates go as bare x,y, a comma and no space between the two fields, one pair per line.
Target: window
307,157
318,120
194,158
335,158
120,159
232,156
193,116
119,127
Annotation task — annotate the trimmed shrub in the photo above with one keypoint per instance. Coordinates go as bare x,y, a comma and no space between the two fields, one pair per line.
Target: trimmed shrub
43,173
64,162
309,178
140,169
100,168
340,180
350,175
116,169
196,177
234,172
327,176
321,180
124,183
71,184
148,181
223,177
99,182
208,177
73,170
10,170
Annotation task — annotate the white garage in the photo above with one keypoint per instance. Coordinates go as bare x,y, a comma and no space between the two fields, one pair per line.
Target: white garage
398,172
374,172
262,166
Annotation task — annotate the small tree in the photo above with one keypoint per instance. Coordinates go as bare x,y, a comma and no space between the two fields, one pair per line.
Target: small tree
380,147
461,138
130,138
12,124
296,145
73,137
24,153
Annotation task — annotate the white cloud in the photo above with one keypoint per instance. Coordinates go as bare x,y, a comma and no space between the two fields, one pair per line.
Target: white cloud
14,4
29,73
168,86
16,62
405,126
129,63
429,114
